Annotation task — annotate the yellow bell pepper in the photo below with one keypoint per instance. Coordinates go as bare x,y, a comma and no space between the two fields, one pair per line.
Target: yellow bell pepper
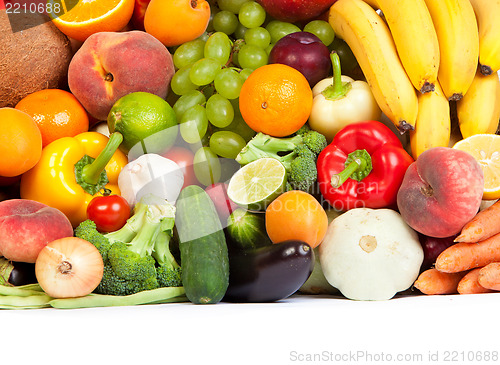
72,170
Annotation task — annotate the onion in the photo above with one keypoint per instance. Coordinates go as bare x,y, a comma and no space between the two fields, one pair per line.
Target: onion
69,267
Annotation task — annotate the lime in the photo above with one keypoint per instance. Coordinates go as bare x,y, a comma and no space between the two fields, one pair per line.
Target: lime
147,122
257,184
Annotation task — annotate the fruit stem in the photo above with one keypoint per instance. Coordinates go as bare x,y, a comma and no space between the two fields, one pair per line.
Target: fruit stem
338,89
91,173
357,166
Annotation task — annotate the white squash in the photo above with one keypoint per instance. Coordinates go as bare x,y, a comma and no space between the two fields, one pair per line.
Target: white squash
370,254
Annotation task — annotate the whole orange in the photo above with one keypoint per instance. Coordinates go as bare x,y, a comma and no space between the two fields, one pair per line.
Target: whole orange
296,215
56,112
175,22
20,142
276,99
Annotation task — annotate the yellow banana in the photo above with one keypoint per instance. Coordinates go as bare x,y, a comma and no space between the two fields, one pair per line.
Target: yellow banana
479,110
488,22
416,40
456,28
433,128
370,40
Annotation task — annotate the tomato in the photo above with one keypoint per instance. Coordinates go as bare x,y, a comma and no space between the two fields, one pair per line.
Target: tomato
109,212
184,158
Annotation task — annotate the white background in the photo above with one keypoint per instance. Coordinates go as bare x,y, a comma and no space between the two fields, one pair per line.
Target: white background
273,333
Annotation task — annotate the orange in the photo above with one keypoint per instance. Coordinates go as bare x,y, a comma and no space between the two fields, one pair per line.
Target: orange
90,16
276,99
174,22
296,215
56,112
20,142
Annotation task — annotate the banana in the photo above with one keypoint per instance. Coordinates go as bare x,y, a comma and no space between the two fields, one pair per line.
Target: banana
370,40
433,128
479,110
488,22
457,31
416,40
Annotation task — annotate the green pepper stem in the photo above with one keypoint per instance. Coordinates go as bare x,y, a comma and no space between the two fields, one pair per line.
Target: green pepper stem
340,178
92,172
358,165
338,89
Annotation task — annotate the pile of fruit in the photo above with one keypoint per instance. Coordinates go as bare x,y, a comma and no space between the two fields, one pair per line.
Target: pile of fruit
245,150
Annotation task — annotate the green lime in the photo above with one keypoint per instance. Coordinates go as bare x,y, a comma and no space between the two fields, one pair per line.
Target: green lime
257,184
147,122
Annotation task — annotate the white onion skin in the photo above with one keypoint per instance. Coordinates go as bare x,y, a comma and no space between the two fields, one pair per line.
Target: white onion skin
69,267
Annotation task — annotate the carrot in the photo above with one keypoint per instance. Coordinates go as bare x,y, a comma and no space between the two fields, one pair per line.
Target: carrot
434,282
464,256
489,276
485,224
470,283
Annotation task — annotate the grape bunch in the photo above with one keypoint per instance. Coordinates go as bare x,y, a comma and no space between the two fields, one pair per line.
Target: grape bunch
210,71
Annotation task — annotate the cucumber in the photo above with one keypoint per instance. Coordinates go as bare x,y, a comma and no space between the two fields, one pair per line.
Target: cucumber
247,230
203,248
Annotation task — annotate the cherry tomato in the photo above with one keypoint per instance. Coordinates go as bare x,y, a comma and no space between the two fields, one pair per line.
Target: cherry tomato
184,158
109,212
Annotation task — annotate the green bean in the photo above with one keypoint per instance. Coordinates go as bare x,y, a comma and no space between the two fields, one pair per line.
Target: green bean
160,295
18,302
20,291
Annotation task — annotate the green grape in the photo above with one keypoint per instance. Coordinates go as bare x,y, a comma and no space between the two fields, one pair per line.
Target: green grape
245,72
230,5
251,14
251,56
188,53
204,71
194,124
226,144
218,47
225,21
258,36
240,127
220,111
207,167
213,11
278,29
321,29
181,81
187,101
228,83
240,31
269,48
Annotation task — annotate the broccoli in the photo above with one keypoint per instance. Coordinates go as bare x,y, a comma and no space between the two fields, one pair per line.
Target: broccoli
297,153
137,257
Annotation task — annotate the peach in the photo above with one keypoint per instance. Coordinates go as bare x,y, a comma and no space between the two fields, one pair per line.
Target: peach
26,226
441,191
110,65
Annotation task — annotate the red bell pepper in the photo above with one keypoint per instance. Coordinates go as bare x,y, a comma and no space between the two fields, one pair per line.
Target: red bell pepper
363,166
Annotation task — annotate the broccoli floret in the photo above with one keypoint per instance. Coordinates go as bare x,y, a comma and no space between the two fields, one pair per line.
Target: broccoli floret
87,230
167,276
315,141
298,155
303,173
138,257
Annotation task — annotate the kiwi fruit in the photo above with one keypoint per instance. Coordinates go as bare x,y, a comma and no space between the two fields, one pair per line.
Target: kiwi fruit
33,59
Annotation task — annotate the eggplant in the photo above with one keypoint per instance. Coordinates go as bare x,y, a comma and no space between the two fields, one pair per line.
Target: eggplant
269,273
16,273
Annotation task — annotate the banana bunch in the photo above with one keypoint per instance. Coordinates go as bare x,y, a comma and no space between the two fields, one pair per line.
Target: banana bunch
418,56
